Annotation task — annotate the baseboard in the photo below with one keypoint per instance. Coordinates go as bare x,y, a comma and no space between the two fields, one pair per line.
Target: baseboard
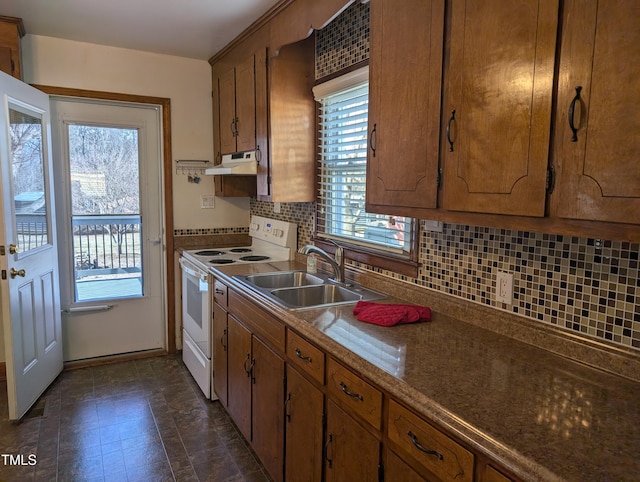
105,360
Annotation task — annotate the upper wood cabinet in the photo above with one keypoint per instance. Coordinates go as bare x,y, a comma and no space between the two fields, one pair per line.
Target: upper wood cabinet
266,103
405,76
497,105
11,30
288,172
598,168
236,118
237,107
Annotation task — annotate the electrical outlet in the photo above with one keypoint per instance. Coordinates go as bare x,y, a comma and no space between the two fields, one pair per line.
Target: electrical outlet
276,207
504,287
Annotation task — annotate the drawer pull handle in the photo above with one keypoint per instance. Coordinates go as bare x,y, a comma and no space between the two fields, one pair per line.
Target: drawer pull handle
417,445
326,450
348,393
286,408
248,369
301,356
572,111
449,140
223,339
372,137
219,291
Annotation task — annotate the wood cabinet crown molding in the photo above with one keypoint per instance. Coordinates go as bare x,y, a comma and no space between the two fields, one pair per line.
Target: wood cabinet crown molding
18,23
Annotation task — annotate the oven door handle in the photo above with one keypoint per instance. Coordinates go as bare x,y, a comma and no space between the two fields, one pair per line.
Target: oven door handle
191,270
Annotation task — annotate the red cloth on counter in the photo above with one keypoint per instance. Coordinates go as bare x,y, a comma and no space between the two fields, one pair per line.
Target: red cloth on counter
390,314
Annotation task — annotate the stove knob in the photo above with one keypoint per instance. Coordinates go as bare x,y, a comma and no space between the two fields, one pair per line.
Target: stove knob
278,233
255,226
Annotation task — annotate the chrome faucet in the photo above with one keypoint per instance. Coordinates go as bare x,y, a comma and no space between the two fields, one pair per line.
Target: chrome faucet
337,262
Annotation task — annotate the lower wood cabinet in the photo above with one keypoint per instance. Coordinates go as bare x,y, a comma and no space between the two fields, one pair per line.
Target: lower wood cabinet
239,375
220,341
304,423
351,453
267,400
432,449
323,421
397,469
256,395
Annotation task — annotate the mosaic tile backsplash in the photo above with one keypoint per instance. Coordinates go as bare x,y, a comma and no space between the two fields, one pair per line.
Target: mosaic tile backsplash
344,42
582,285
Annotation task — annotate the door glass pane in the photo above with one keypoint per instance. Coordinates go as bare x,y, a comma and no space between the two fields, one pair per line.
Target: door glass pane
105,211
28,178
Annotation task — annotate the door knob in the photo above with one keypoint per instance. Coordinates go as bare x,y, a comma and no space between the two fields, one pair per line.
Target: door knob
13,249
14,272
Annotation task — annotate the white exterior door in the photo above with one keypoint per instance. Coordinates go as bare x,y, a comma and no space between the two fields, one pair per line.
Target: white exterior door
29,286
108,172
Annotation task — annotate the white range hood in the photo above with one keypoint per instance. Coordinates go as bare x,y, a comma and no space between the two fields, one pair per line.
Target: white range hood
239,164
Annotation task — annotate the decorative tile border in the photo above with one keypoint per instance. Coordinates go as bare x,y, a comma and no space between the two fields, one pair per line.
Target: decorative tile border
208,231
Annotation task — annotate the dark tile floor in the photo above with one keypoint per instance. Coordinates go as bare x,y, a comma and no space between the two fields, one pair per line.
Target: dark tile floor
142,420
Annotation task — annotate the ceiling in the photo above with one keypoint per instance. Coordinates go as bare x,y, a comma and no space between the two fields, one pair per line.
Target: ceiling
186,28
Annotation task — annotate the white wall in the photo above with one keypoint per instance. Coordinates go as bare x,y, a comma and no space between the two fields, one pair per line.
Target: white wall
187,82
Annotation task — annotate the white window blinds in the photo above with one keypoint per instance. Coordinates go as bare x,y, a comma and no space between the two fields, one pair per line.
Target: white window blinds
342,171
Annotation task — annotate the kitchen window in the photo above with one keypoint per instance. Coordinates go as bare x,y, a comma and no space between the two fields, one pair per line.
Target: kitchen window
340,213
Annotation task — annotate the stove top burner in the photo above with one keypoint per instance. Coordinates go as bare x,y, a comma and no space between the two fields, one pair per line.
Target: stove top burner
209,252
240,250
254,258
221,261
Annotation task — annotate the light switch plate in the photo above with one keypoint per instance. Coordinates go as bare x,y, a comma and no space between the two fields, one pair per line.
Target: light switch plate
207,201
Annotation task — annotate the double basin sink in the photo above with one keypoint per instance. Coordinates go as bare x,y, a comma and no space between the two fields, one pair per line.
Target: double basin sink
299,289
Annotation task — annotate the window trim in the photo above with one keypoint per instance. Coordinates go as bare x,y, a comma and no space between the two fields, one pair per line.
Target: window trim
406,265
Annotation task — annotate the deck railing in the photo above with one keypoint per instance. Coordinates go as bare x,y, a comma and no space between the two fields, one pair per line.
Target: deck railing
107,245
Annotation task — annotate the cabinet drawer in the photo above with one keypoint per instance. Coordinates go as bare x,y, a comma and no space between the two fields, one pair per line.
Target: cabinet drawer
434,450
305,356
351,391
261,323
220,293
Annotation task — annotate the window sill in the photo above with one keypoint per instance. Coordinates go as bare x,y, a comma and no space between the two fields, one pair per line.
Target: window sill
377,259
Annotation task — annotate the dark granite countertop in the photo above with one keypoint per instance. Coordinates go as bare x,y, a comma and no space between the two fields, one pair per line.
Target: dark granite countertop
541,415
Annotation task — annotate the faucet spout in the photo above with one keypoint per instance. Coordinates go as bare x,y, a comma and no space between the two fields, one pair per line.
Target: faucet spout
336,263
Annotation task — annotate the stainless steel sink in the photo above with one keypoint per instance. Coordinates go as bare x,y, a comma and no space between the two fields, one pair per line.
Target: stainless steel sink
315,295
300,290
283,279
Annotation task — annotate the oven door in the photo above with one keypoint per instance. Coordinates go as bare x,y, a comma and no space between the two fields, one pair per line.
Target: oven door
195,306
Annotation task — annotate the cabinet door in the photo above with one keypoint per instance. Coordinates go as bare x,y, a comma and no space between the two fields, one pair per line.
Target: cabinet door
246,105
500,85
239,375
599,173
304,408
352,453
404,103
220,342
11,29
268,413
397,469
227,110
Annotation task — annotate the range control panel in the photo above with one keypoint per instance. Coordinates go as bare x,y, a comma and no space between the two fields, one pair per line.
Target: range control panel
277,232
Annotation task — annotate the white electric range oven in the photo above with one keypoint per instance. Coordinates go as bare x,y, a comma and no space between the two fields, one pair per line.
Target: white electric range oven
271,240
